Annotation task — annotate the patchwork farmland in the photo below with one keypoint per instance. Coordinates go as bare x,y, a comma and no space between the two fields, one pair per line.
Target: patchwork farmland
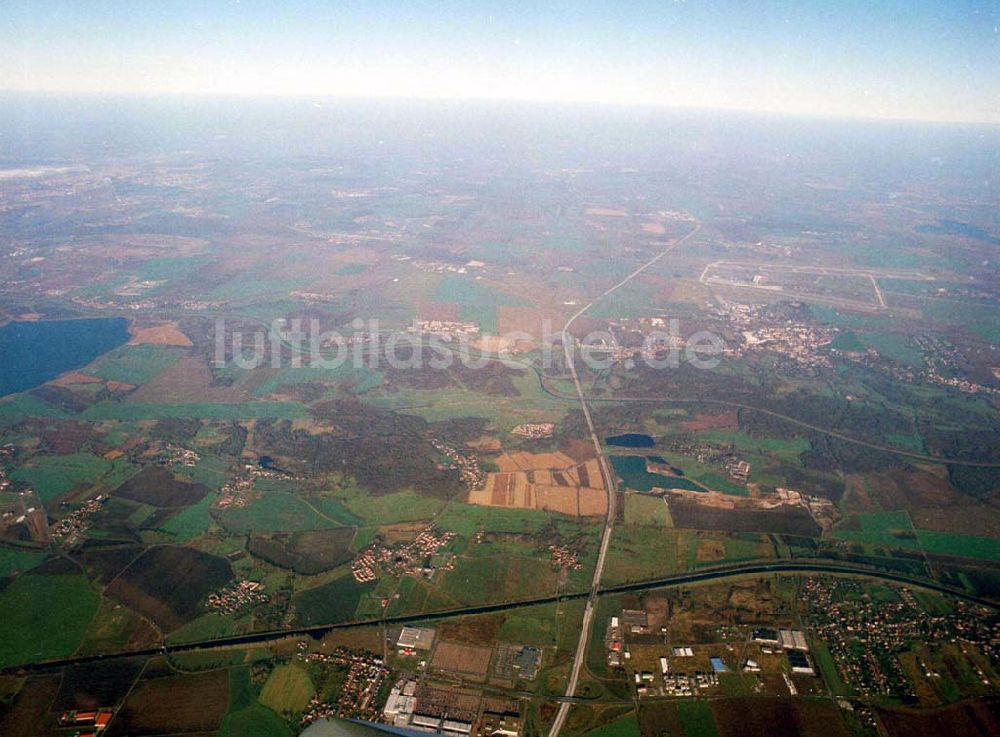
552,482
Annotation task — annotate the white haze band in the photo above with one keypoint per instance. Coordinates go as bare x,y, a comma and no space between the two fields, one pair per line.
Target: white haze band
285,343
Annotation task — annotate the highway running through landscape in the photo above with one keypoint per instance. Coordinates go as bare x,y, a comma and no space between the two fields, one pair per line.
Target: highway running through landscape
676,580
569,344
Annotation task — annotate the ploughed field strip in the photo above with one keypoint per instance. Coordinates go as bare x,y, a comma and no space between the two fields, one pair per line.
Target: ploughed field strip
549,481
462,659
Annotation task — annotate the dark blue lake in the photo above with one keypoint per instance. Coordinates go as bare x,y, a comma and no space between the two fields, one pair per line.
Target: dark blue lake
32,353
631,440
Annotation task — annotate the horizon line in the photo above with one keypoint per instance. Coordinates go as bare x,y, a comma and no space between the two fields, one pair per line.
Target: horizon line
526,101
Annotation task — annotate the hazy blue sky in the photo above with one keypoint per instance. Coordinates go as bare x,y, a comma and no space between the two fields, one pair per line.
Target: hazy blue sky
900,59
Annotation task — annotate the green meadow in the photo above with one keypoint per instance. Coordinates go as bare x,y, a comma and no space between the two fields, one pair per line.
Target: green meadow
45,616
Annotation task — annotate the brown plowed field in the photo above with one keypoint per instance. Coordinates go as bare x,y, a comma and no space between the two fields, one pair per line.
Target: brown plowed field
469,660
513,489
160,335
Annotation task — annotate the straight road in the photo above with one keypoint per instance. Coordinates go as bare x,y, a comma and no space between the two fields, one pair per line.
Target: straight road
569,346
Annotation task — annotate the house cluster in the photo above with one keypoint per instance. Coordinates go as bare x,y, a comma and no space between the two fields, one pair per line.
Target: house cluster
738,469
200,305
470,471
866,634
414,558
445,329
236,596
648,338
802,344
237,493
822,510
535,430
565,558
366,672
88,723
7,452
709,454
114,304
72,527
760,328
354,339
137,288
313,297
170,455
945,366
444,267
366,565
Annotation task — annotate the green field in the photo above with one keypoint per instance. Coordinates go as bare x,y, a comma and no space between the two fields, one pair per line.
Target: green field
247,717
17,560
980,318
352,269
403,506
828,668
504,412
632,302
898,347
206,627
847,341
912,443
638,553
45,616
167,269
696,716
111,629
190,522
19,406
335,601
892,529
135,364
786,450
361,379
502,578
279,512
466,519
531,625
476,301
747,546
965,546
252,283
287,690
199,410
53,476
649,511
627,726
